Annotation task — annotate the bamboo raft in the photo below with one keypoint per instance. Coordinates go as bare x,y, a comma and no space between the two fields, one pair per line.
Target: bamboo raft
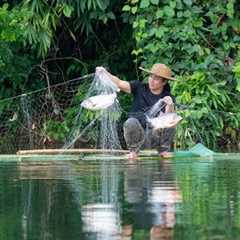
70,151
46,155
106,154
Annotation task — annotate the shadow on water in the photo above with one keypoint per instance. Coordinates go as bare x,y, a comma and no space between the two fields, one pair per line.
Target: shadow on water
120,199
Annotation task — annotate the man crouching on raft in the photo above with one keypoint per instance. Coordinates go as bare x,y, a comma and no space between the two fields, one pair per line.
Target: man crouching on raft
145,95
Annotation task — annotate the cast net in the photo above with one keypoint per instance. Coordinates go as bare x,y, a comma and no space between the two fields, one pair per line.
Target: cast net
52,117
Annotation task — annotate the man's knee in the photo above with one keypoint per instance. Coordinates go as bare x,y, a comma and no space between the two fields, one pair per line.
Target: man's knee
133,133
131,122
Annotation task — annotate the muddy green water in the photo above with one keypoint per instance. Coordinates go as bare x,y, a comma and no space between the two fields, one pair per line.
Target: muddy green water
119,199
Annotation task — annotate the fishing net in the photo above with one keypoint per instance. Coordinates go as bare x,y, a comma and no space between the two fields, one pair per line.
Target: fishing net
107,118
198,150
53,118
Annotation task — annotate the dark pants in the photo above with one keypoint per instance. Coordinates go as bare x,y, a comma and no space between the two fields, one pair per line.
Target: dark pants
136,137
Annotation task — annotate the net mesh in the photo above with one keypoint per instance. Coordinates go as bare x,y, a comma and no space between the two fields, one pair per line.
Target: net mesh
45,118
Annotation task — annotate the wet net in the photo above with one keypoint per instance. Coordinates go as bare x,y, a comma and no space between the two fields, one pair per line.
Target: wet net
52,117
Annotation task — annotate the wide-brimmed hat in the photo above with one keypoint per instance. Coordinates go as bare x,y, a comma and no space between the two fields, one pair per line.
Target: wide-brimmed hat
160,70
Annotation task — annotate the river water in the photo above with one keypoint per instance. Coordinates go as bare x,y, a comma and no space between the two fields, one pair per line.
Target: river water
113,198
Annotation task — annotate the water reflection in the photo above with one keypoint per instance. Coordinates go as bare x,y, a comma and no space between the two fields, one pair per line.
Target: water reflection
119,200
102,220
45,189
153,194
150,195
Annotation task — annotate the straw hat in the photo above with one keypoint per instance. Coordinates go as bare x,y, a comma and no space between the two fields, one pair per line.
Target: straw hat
160,70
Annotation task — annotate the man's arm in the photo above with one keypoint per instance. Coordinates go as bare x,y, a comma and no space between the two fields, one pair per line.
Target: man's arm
122,85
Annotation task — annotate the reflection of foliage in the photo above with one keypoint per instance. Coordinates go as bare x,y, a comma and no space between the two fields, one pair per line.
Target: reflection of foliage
210,201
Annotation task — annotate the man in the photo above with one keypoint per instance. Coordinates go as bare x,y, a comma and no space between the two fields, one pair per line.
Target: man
144,97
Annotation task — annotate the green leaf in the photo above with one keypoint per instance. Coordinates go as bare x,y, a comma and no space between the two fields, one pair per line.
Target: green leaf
5,6
142,23
144,3
230,8
188,2
89,4
111,15
238,85
101,4
126,8
187,14
135,24
159,14
236,70
172,4
160,32
134,9
137,51
168,11
67,10
179,14
72,35
155,2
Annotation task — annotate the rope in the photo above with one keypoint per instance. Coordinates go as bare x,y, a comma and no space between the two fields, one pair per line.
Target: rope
48,87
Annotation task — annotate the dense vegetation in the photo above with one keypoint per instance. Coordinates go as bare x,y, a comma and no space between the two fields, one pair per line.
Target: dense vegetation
199,40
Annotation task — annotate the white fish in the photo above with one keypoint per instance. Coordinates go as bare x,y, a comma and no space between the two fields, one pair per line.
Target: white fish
99,102
165,120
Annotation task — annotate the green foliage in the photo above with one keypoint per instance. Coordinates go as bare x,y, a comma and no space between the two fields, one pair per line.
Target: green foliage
12,23
59,130
199,41
55,130
208,109
236,71
88,12
47,17
14,66
43,23
49,29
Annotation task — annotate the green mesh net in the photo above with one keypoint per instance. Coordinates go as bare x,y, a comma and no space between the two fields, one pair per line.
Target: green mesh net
199,150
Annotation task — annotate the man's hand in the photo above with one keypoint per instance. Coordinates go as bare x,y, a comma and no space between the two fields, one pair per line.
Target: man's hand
122,85
168,100
169,104
100,69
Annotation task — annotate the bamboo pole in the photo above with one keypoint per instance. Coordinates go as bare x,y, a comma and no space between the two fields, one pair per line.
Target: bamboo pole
69,151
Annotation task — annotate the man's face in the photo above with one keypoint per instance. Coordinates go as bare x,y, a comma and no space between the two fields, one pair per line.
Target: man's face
156,82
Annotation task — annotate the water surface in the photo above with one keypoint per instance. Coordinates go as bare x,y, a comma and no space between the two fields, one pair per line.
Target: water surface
107,198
